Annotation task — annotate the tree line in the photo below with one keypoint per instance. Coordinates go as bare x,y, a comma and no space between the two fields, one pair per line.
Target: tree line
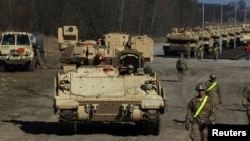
97,17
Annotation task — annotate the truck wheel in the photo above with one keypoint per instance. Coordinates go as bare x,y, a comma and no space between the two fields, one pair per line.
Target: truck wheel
31,66
67,123
2,68
151,123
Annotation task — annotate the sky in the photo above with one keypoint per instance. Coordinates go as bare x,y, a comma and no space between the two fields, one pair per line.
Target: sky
224,1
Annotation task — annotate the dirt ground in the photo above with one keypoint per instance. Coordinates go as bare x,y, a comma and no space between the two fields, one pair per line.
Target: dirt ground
26,101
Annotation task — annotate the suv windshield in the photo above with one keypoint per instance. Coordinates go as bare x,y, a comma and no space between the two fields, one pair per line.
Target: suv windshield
8,39
22,40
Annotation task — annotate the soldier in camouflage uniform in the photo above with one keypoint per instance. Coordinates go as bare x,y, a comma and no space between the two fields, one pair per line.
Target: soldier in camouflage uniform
201,113
214,90
200,52
216,51
246,101
181,66
196,50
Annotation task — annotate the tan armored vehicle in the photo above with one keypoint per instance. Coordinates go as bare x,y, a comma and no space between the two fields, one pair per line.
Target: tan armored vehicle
206,39
91,52
245,34
234,33
67,35
105,93
178,40
16,51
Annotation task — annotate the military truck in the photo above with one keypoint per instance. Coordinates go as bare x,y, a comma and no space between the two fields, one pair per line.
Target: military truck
179,40
16,51
104,93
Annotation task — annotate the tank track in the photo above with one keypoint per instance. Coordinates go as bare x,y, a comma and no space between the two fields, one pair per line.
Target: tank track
67,123
151,123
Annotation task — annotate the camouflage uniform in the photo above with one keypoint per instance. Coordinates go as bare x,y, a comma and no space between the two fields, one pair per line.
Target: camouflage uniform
199,131
196,49
216,52
181,70
246,101
213,91
200,53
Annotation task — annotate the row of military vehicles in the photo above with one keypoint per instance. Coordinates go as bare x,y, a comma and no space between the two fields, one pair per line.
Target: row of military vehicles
20,50
93,87
179,39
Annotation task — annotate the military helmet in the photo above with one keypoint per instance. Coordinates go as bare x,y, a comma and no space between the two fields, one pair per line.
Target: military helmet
212,76
200,86
130,67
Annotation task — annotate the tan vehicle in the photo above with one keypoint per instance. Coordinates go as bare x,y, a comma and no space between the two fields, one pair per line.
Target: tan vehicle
104,93
89,52
206,40
178,40
245,34
16,51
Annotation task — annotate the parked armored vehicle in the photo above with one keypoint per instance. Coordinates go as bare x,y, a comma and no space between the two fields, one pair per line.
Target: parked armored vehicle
104,93
235,34
178,40
16,51
90,52
143,44
245,35
67,35
205,39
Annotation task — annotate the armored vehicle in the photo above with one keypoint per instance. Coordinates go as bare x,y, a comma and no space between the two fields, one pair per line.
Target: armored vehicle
91,52
67,35
143,44
179,40
16,51
206,40
105,93
245,35
234,33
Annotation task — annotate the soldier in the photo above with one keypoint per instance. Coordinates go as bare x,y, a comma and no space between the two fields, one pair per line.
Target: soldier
246,101
196,49
247,51
130,70
201,113
216,52
200,53
213,90
181,66
39,50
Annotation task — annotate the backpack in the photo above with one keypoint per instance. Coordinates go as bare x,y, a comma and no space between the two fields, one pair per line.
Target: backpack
181,64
